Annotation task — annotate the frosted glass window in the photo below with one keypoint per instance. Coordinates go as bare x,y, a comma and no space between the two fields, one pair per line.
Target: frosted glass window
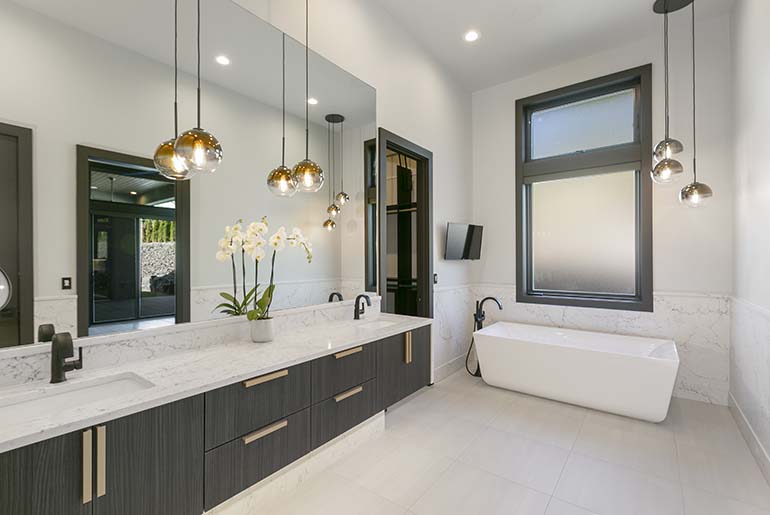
584,234
597,122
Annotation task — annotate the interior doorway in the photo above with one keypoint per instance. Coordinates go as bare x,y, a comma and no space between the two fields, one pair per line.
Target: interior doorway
135,252
16,241
405,221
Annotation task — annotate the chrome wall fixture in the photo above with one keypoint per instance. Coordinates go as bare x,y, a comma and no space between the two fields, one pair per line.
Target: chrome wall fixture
307,174
168,163
199,150
281,181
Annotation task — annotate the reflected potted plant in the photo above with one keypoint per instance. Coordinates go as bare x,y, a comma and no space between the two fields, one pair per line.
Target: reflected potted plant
252,245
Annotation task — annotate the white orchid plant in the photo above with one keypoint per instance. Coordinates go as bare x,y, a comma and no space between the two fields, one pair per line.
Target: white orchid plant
252,244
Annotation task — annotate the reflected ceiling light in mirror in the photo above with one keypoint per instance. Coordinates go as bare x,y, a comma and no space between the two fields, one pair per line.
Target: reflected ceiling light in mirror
133,193
223,60
695,193
199,150
667,169
307,174
312,101
168,163
281,181
471,36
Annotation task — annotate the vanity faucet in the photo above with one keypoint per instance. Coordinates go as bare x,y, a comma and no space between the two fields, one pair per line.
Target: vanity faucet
359,309
61,350
335,294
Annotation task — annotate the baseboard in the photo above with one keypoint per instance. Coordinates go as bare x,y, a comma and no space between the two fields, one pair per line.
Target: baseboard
755,446
449,368
255,498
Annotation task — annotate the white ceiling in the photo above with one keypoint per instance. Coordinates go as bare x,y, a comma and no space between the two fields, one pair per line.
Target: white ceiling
519,37
253,45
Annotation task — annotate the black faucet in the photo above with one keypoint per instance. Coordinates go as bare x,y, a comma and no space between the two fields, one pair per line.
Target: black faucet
335,294
61,349
358,312
480,315
45,333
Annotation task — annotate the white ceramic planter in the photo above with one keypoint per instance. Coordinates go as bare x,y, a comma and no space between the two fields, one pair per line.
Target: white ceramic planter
261,330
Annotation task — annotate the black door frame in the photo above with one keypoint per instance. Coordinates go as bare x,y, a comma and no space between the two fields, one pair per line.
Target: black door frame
25,280
388,140
84,156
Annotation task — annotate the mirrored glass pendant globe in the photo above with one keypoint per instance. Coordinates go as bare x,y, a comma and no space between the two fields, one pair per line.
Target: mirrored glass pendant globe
667,148
333,210
666,171
199,151
169,164
695,194
330,224
281,182
342,198
308,175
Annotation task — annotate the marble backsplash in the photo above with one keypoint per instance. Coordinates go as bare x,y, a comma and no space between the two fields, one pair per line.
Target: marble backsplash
28,363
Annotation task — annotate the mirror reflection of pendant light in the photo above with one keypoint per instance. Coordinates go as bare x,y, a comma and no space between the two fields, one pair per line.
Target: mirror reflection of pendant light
342,197
281,181
332,120
695,193
166,161
307,174
199,150
666,168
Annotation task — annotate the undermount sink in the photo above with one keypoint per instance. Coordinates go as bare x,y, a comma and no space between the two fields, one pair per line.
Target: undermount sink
56,398
377,324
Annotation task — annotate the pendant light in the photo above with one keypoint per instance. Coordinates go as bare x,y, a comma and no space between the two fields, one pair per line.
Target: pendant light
331,120
342,197
199,150
695,193
166,161
666,168
307,174
281,181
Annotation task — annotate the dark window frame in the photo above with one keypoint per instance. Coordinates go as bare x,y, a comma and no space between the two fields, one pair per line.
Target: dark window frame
630,156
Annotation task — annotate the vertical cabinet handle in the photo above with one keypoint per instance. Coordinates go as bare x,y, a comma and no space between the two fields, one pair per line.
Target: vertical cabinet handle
101,461
408,348
87,466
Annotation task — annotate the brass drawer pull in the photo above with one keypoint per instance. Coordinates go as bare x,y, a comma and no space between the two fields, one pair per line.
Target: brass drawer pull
87,466
272,428
348,352
408,348
266,378
101,461
350,393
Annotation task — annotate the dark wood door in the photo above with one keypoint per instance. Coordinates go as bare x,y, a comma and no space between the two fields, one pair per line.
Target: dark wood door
44,479
153,462
402,371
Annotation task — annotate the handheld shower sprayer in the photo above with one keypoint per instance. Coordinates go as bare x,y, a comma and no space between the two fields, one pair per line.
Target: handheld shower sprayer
471,361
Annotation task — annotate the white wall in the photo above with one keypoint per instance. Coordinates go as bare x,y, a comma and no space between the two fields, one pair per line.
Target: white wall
750,349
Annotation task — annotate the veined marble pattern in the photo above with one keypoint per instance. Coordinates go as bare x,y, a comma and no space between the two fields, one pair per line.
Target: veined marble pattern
452,329
699,324
750,374
29,363
61,311
288,294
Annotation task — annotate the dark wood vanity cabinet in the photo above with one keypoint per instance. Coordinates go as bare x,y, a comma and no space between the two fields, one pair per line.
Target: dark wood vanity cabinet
403,365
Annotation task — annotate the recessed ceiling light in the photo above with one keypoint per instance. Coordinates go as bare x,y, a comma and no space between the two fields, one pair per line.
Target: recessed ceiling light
471,36
312,101
223,60
94,188
132,192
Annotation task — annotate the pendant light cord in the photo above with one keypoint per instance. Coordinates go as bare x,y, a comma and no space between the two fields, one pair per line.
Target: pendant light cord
329,153
334,162
307,81
199,64
176,69
283,100
342,157
694,137
665,63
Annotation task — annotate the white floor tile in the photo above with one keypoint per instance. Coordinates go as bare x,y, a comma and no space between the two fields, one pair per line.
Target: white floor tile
608,489
447,435
698,502
396,469
558,507
542,420
643,446
466,490
517,458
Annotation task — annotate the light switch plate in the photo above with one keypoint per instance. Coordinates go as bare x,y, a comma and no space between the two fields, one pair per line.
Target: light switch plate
66,283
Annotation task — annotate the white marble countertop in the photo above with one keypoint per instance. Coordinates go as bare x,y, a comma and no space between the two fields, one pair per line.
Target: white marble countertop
188,373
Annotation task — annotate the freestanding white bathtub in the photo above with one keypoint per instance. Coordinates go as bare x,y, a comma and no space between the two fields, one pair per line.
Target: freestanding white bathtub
627,375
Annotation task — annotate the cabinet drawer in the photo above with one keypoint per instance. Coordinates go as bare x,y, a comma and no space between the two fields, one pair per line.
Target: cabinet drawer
342,371
348,408
243,407
403,365
235,466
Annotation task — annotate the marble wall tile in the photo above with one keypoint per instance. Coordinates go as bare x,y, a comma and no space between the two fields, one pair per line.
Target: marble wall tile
452,329
61,311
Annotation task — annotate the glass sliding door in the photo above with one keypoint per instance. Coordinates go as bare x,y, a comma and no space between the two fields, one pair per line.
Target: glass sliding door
157,253
114,276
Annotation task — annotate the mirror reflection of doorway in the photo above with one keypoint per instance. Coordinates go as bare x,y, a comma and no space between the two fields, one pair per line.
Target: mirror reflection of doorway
132,248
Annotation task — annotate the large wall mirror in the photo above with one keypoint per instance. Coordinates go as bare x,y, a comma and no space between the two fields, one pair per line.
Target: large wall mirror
113,246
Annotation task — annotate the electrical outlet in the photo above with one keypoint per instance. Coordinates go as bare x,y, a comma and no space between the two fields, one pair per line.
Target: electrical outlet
66,283
435,278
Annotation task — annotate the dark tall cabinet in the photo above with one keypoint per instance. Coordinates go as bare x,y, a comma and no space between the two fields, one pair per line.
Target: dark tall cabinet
403,366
